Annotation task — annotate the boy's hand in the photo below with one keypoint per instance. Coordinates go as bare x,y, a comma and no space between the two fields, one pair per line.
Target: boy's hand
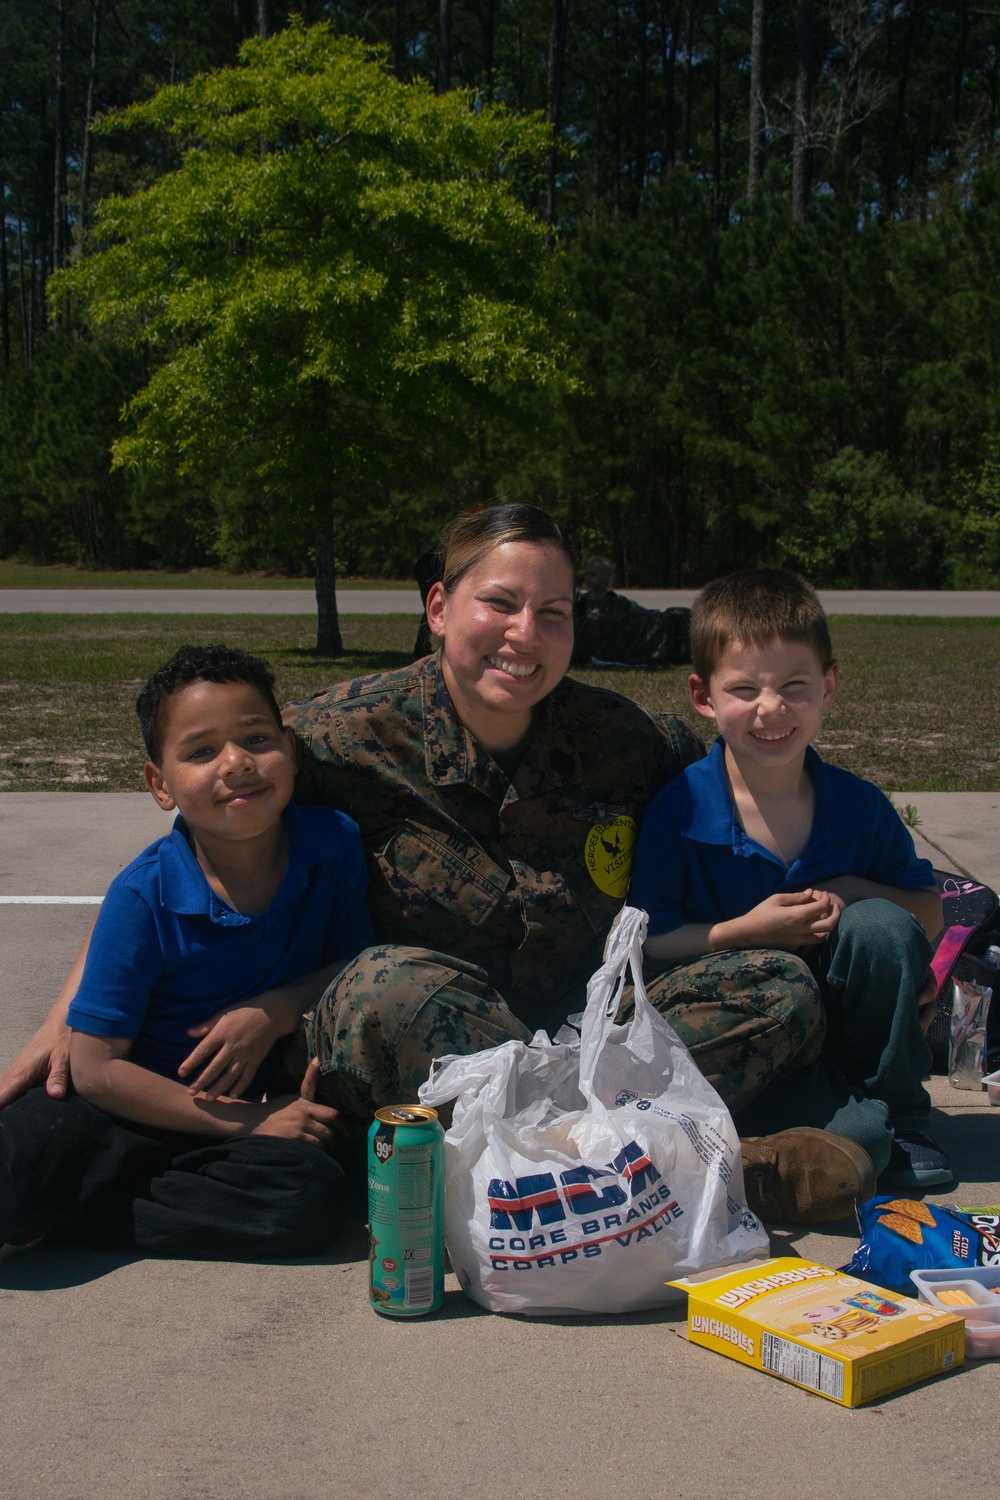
233,1046
302,1119
235,1042
788,920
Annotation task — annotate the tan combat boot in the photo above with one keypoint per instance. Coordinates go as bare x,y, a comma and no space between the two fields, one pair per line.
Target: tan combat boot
805,1176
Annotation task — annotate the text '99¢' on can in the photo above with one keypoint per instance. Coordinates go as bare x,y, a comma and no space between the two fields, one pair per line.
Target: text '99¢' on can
406,1211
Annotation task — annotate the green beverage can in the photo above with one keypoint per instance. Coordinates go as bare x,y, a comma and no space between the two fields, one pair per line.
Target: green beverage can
406,1211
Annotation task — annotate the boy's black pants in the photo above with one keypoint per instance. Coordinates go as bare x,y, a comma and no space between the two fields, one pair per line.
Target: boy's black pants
77,1175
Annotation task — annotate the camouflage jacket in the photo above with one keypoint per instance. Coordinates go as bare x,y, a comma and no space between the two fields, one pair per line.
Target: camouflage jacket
522,878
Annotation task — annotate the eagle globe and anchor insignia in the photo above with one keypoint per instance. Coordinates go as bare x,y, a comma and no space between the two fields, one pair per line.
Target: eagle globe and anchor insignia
608,853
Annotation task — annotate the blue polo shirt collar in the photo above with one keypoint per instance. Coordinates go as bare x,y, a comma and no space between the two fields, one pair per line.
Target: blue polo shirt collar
185,891
710,816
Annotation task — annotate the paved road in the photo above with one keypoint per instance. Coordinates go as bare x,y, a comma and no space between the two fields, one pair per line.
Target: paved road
407,601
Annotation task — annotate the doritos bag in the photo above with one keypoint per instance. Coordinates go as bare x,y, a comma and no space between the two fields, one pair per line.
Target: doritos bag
900,1235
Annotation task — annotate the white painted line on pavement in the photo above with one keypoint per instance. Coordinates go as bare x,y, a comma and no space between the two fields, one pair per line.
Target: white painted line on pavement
51,900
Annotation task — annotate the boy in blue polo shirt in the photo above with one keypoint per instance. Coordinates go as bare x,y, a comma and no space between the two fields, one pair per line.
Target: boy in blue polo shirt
763,846
248,894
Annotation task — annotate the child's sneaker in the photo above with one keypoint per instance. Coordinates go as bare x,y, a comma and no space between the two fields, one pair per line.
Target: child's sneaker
916,1161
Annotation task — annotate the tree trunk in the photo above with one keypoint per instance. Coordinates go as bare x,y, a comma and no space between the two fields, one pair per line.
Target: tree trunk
889,184
263,31
444,47
617,75
669,51
328,639
557,55
688,71
4,282
717,121
95,42
398,44
755,166
59,172
36,278
489,35
963,43
22,292
642,100
801,155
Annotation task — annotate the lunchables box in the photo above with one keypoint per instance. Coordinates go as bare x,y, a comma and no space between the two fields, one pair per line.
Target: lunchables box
823,1330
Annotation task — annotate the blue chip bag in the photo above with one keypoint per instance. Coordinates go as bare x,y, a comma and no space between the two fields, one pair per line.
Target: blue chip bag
900,1235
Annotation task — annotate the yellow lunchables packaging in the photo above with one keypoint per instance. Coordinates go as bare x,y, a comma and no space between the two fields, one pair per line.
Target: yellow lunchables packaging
823,1330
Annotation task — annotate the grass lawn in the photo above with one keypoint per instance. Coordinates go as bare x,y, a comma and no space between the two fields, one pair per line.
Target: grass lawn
916,709
18,575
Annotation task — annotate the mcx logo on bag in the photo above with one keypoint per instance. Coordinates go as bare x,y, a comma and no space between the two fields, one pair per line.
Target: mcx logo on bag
513,1205
612,1195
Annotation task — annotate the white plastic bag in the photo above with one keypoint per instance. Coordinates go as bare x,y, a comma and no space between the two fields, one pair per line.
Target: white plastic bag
583,1172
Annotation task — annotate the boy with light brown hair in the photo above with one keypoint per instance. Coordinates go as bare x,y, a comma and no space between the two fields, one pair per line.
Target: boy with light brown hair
762,846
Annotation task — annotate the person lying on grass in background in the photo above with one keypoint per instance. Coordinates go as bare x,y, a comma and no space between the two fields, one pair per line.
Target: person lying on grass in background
248,893
615,631
763,847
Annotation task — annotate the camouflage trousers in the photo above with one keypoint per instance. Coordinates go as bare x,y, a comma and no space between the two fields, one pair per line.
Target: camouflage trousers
749,1018
834,1043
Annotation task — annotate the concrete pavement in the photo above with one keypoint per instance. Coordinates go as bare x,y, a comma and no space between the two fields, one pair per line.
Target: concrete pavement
958,830
301,601
158,1380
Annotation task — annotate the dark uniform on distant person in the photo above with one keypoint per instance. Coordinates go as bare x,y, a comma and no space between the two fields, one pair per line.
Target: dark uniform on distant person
615,630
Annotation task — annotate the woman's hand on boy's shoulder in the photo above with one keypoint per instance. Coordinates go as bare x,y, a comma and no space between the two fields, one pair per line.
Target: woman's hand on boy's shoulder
45,1059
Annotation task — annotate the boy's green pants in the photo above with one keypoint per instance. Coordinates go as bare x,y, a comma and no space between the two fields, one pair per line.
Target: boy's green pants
755,1021
868,1081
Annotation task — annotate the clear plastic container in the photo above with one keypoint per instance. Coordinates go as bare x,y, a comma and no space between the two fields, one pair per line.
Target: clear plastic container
991,1083
982,1315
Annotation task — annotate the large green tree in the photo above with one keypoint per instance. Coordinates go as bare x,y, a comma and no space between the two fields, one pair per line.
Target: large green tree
335,274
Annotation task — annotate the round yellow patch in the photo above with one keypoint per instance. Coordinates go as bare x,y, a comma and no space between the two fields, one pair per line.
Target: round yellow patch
608,853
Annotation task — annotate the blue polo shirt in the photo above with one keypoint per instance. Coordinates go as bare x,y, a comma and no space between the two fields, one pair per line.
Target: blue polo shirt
167,952
694,863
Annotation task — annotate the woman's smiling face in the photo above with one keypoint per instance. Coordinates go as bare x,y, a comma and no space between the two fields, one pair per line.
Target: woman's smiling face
507,627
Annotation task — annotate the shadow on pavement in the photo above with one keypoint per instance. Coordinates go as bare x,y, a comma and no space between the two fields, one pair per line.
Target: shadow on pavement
54,1267
971,1141
457,1305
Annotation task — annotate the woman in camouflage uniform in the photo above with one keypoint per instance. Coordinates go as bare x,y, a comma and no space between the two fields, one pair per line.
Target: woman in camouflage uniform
499,803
